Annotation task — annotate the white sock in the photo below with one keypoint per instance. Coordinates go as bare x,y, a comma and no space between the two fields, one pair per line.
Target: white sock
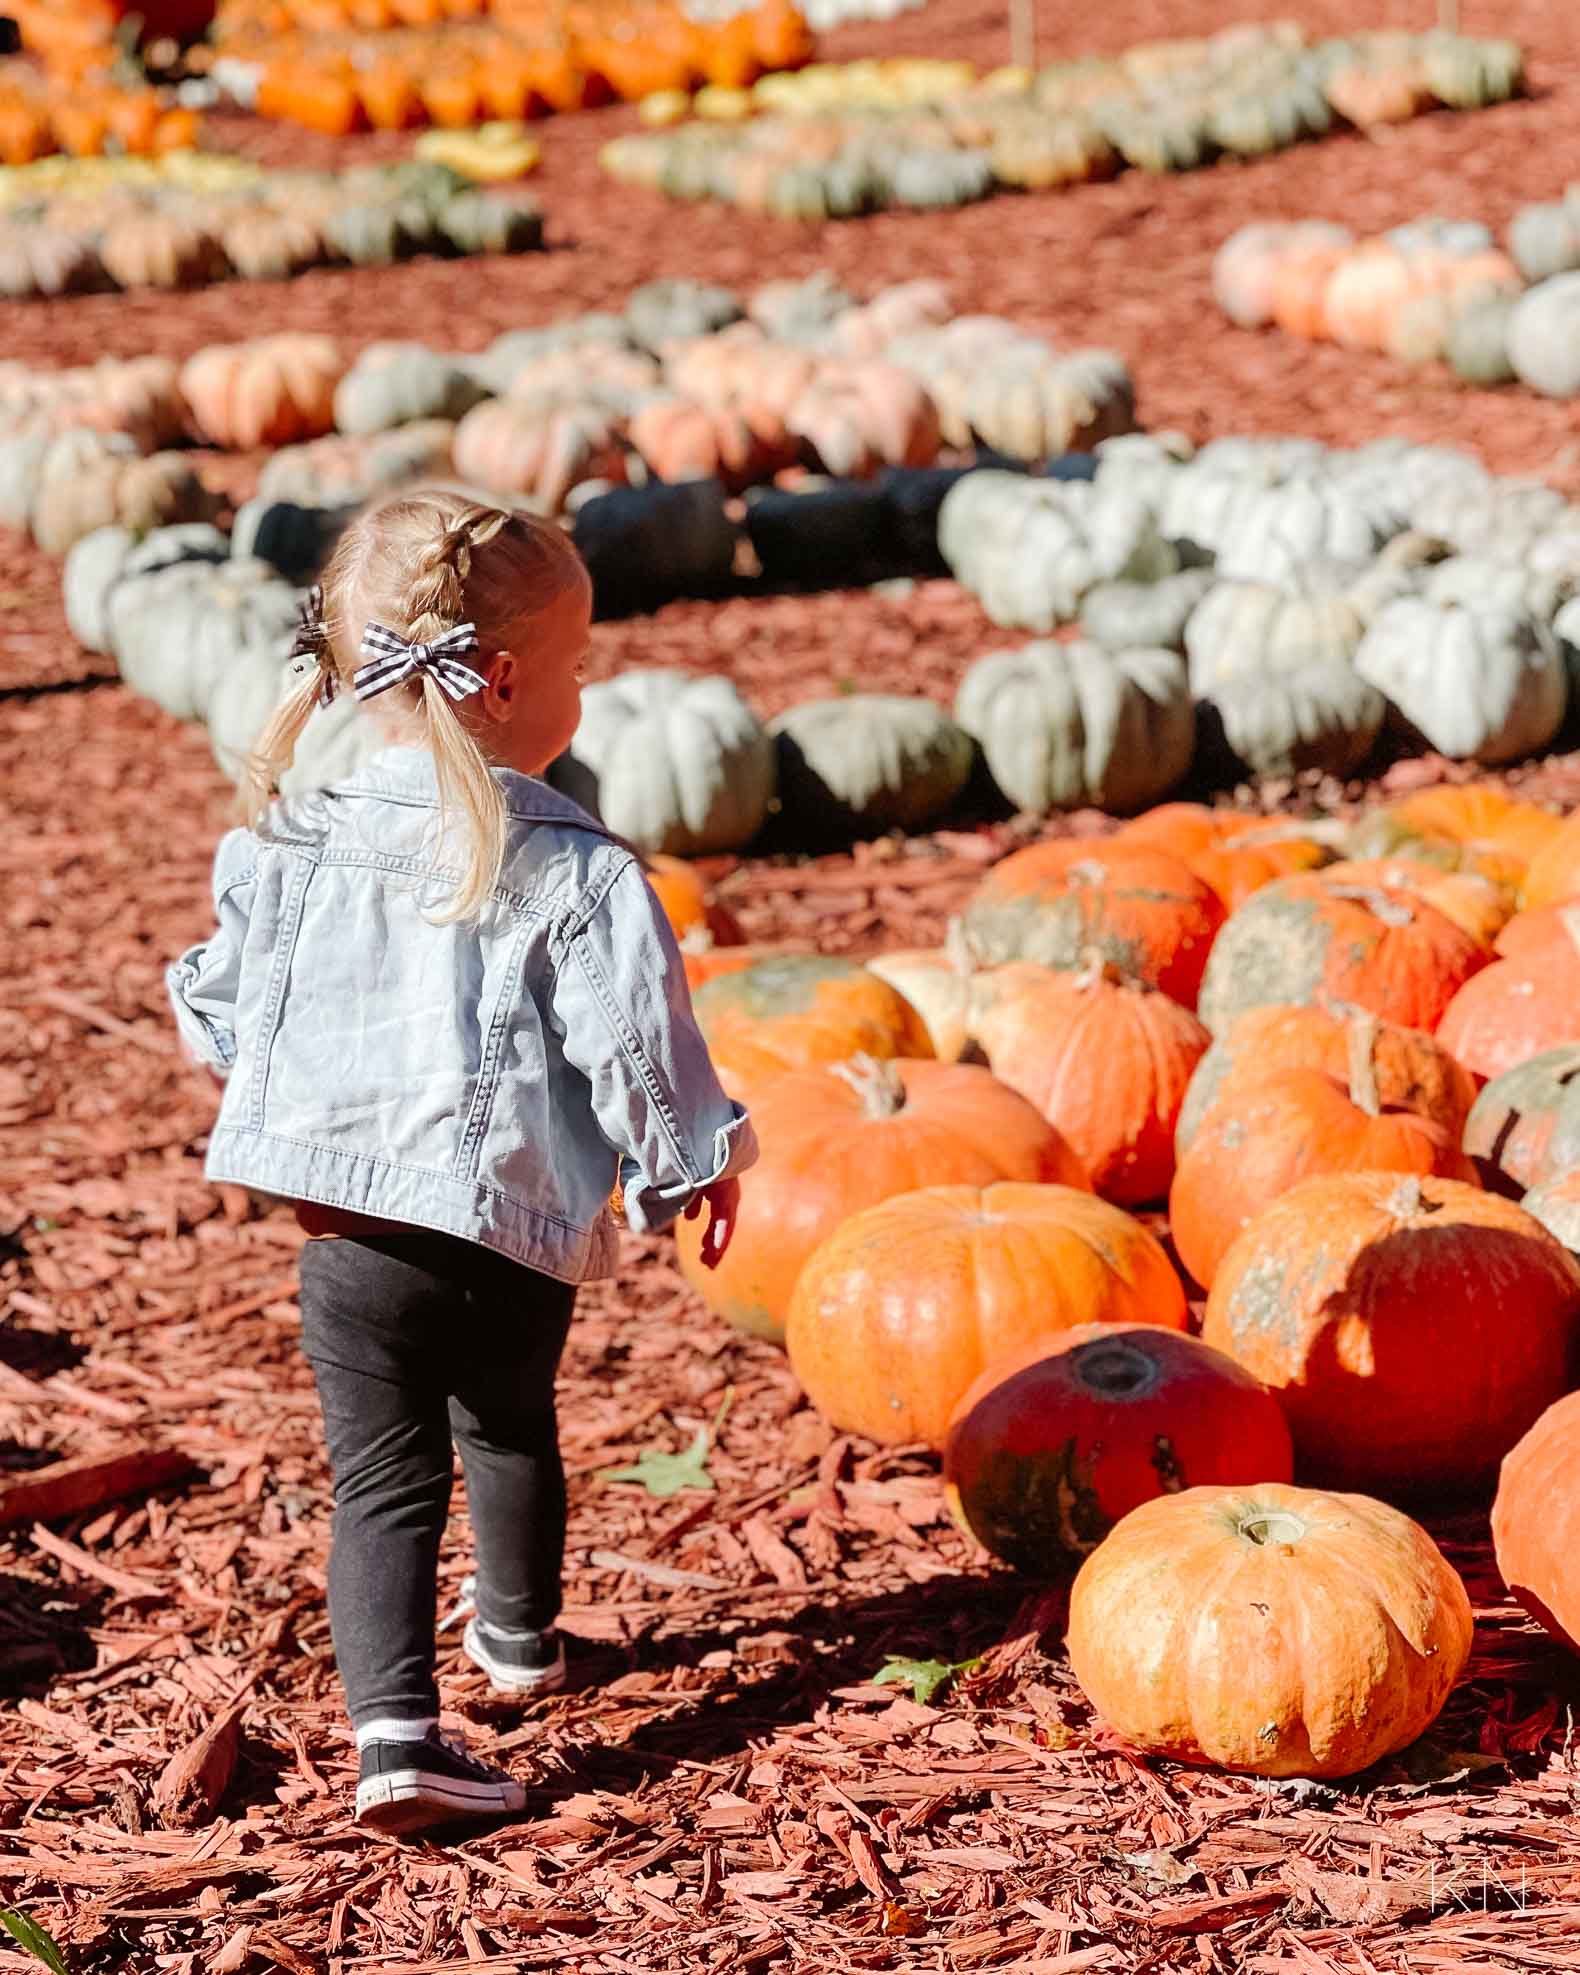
411,1728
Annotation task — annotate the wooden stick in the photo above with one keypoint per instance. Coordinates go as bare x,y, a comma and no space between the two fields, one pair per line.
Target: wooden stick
84,1561
70,1487
195,1779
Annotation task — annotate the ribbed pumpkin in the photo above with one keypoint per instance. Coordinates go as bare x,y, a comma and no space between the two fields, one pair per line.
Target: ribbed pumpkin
1515,1009
1413,1069
1051,1446
1139,908
844,1137
1234,854
1290,1125
1525,1125
272,392
1412,1328
1271,1630
1490,831
801,1010
1477,905
1536,1521
1552,876
1306,939
908,1302
1104,1059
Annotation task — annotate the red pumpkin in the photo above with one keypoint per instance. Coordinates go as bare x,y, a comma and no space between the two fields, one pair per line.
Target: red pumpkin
1524,1128
1307,940
907,1303
1414,1071
1412,1328
1104,1059
837,1139
1536,1521
1141,910
1277,1631
1263,1138
1050,1447
1515,1009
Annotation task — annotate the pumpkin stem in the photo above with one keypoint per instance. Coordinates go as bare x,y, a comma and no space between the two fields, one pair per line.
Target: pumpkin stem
1275,1526
1363,1064
1406,1199
1095,969
1115,1368
876,1082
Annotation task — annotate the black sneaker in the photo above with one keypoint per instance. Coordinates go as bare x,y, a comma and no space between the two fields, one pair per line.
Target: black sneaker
409,1786
515,1662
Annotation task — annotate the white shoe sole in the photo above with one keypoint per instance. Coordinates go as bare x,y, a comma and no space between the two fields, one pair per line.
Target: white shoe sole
411,1800
513,1679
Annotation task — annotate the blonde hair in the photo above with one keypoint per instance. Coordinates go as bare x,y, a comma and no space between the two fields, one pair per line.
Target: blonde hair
420,562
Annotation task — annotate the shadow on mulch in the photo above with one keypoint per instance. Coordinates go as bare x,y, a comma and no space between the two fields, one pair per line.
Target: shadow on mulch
44,1631
38,1353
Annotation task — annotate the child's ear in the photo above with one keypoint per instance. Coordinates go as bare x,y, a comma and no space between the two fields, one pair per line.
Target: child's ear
504,682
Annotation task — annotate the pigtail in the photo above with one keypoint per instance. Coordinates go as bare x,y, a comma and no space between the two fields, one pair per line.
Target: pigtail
467,790
275,749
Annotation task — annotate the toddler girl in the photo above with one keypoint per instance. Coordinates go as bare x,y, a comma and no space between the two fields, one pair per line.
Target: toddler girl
450,1013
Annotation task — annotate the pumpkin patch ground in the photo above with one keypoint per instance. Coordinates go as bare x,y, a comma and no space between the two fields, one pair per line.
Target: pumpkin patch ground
811,1725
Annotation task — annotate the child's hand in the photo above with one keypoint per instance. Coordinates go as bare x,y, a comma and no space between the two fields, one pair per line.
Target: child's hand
724,1205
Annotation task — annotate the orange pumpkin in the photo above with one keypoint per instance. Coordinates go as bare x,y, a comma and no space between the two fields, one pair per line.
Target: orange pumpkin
1414,1071
1139,908
1516,1009
1261,1139
1477,905
1104,1059
1307,940
1271,1630
1412,1328
689,905
1524,1128
274,391
1475,827
1050,1447
1552,877
907,1303
1536,1521
799,1010
843,1137
1234,854
1536,927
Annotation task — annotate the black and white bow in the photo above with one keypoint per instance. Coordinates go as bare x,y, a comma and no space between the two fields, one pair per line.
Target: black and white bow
392,661
312,642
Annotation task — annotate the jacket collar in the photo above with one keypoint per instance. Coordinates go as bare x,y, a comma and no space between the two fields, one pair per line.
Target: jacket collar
406,774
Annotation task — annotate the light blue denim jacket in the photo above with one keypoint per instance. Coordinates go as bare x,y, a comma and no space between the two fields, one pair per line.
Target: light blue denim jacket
480,1078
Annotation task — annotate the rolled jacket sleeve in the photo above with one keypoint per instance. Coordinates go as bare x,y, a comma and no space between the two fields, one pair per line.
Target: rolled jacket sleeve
625,1010
203,983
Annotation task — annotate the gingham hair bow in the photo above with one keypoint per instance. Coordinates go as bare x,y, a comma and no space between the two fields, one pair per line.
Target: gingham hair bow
312,641
392,661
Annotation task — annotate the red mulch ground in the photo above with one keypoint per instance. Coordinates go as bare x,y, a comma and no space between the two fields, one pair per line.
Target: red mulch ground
723,1788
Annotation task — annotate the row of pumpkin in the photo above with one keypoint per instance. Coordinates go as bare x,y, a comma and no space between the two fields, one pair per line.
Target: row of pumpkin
937,1228
43,115
197,219
1432,290
1167,106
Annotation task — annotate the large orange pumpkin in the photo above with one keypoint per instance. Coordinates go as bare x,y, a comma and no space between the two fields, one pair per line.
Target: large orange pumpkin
1308,940
1475,827
1412,1328
1480,906
800,1010
1515,1009
1050,1447
840,1138
1524,1128
1266,1136
1537,927
1552,877
1414,1071
908,1302
1139,908
1536,1521
1272,1630
1233,853
1104,1059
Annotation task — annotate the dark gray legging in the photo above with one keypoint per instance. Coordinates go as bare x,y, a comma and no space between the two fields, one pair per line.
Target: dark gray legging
414,1338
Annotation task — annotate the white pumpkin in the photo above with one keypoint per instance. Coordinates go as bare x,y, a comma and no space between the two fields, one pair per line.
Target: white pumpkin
671,763
1064,726
393,384
98,562
1321,716
1544,337
1124,615
867,762
1480,684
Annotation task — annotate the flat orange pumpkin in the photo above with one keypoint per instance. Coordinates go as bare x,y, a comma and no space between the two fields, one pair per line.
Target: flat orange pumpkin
799,1010
908,1302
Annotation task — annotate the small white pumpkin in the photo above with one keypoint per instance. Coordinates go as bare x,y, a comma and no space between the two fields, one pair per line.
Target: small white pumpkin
1064,726
1321,716
1544,337
670,762
1483,684
866,763
393,384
